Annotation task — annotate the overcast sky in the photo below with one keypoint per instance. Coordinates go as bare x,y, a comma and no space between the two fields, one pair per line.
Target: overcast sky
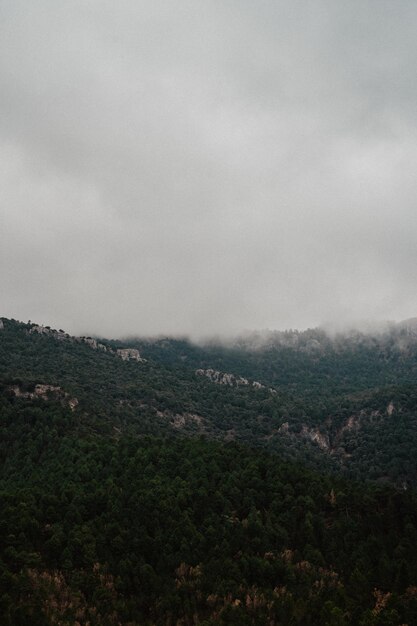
207,166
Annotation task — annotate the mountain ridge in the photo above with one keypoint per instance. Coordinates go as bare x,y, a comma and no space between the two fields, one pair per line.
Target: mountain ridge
144,493
322,406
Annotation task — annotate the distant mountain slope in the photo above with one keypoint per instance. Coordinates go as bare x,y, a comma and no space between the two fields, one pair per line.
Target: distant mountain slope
160,483
353,394
347,402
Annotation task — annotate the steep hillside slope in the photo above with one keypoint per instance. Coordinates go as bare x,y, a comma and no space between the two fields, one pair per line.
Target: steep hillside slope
141,531
347,403
353,395
127,497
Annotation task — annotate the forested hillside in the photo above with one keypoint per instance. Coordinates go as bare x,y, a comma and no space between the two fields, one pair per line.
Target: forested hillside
178,484
347,403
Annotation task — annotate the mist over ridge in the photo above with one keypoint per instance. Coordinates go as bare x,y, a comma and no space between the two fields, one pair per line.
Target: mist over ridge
207,167
208,230
401,335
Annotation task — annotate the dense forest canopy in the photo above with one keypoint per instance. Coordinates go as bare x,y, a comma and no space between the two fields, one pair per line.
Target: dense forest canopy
249,483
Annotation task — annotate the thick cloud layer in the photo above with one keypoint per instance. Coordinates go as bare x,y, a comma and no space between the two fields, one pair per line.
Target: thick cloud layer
205,166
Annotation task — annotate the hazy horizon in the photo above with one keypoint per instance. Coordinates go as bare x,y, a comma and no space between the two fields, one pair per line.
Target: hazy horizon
200,168
261,335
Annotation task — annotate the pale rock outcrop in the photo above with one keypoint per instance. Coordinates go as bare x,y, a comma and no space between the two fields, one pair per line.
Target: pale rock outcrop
284,428
73,403
40,391
352,423
129,354
46,330
90,342
224,378
316,437
93,343
45,392
180,420
126,354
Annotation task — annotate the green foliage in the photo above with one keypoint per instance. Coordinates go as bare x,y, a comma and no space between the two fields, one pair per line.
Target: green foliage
152,531
343,392
109,514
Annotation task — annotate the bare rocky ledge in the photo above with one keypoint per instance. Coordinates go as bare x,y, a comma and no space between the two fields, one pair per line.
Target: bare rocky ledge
126,354
231,380
45,392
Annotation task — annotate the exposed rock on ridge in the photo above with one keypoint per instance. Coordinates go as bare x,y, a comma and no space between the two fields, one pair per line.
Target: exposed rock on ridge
332,443
224,378
45,392
129,354
126,354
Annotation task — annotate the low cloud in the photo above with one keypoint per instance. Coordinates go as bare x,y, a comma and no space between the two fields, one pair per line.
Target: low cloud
206,167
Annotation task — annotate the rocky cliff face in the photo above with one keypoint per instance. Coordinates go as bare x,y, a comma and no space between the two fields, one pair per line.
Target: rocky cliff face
332,441
126,354
45,392
224,378
321,439
129,354
61,335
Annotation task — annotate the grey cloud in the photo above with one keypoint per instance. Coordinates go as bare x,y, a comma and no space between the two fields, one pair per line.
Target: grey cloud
204,167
